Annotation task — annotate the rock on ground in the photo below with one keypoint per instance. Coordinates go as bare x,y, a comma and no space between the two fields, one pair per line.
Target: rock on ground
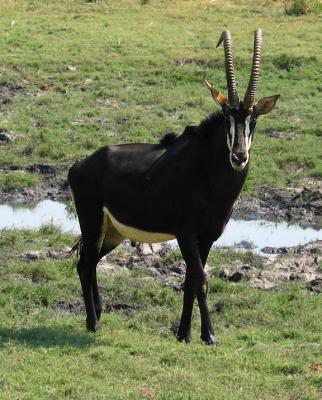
298,263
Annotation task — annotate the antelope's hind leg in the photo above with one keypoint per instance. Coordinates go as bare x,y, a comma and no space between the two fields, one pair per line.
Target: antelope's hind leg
86,271
92,229
110,240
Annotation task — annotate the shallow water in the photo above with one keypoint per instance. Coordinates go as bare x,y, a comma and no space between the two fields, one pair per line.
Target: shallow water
33,216
259,233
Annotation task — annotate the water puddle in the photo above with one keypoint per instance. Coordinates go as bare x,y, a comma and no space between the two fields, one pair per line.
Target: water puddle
258,233
33,216
261,233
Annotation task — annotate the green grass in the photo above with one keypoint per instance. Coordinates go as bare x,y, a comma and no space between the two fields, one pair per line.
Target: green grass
17,180
77,75
301,7
268,339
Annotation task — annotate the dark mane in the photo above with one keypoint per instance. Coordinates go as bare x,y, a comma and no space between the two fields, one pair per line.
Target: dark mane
168,138
205,128
210,124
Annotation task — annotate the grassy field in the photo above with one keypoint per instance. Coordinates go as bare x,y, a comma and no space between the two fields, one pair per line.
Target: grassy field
77,75
270,340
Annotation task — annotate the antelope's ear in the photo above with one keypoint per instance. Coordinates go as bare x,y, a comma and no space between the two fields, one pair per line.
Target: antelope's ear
219,98
266,104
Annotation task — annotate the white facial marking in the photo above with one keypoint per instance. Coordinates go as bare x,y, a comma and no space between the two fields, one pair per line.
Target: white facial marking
248,139
230,140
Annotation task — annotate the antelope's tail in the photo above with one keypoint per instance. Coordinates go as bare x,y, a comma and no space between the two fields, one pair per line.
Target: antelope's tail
77,247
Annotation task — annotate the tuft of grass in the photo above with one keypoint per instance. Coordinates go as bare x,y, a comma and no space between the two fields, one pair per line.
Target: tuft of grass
317,172
50,230
287,62
17,180
301,7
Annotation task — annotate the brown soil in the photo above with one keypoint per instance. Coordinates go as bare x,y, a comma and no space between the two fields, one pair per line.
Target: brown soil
8,91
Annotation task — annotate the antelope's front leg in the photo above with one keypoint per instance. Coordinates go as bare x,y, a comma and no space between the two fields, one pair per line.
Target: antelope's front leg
207,335
96,297
195,285
184,331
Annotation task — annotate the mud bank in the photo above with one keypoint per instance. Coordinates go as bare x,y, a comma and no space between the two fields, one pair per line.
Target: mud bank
53,184
302,205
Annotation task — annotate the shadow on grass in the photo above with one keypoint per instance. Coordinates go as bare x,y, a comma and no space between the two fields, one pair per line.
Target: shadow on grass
45,337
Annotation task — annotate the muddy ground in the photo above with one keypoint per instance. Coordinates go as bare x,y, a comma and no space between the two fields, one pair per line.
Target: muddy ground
302,204
53,184
302,264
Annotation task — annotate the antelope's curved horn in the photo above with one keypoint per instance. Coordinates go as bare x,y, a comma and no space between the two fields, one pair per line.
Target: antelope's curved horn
233,99
254,75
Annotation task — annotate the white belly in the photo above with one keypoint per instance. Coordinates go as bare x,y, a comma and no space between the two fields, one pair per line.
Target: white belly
137,234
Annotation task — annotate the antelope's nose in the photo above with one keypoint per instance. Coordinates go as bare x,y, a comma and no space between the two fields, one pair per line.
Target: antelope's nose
239,158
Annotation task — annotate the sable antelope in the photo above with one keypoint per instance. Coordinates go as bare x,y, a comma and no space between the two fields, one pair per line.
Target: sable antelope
184,187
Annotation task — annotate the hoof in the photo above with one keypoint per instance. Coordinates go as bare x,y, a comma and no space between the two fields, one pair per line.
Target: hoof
98,309
98,315
184,338
92,327
210,340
